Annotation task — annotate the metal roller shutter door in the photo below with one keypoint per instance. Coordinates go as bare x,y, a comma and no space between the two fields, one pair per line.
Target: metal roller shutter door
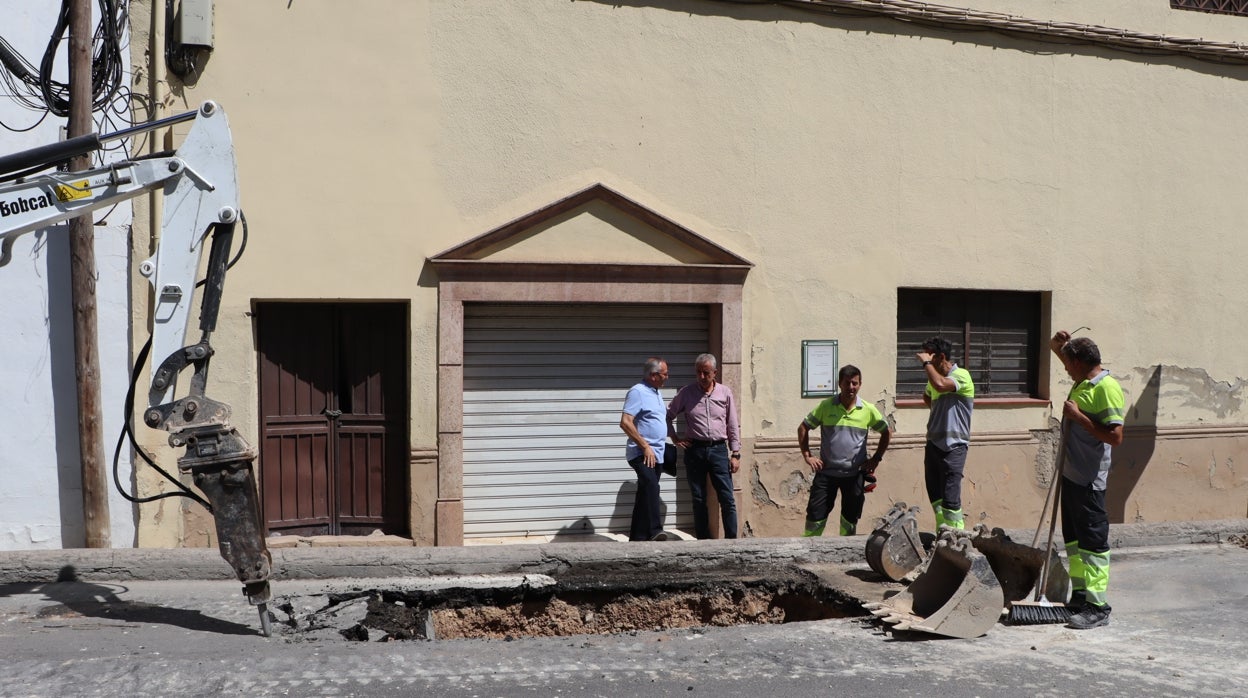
543,388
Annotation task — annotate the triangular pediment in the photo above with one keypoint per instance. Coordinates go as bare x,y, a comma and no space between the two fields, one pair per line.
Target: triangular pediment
595,226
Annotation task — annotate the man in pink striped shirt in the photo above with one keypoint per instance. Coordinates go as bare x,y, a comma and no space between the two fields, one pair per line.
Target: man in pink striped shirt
712,443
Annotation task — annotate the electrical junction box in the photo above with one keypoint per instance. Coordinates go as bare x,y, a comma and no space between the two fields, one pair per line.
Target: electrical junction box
194,23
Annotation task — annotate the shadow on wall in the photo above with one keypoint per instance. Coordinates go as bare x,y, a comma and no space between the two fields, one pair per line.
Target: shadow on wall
622,516
980,34
63,368
580,531
1133,456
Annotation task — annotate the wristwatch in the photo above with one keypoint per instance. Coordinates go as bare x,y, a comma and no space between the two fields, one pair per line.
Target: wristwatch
927,363
735,454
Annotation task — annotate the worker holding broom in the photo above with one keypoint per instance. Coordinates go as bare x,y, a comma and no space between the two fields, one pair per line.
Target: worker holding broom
1094,411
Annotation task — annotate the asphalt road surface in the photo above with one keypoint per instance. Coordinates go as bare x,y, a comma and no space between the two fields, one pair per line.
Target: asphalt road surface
1179,628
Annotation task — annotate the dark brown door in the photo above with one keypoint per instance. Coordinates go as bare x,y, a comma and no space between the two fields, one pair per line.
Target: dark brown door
333,406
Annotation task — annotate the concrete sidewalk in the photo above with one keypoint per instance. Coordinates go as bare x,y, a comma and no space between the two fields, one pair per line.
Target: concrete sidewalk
372,561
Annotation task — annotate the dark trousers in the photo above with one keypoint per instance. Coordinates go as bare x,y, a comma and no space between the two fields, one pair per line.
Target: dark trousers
823,489
1085,526
647,507
942,473
710,460
1084,518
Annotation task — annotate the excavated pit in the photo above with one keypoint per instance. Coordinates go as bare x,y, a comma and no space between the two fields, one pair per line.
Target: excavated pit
587,602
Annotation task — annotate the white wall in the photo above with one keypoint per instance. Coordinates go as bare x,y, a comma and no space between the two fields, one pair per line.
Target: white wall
40,466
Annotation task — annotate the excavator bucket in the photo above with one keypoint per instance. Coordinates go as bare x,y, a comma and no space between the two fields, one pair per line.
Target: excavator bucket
956,596
894,549
1018,567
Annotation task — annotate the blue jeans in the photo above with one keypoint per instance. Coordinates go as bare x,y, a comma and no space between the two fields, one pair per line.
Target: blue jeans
711,460
648,506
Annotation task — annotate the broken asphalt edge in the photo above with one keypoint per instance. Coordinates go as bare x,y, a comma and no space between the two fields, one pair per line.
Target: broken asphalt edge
162,564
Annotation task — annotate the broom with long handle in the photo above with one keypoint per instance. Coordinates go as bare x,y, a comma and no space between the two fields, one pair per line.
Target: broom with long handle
1048,497
1041,611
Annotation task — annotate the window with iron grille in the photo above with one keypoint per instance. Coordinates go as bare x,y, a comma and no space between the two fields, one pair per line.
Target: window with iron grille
1226,7
995,335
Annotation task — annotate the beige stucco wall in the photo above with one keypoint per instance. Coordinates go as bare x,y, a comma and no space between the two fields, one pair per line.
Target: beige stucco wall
844,156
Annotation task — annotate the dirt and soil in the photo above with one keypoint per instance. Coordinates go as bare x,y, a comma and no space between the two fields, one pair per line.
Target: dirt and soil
586,604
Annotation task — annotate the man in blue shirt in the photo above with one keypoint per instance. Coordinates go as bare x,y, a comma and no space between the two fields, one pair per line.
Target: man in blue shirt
644,420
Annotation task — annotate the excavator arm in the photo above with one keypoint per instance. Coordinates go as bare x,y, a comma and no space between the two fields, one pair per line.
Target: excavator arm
201,208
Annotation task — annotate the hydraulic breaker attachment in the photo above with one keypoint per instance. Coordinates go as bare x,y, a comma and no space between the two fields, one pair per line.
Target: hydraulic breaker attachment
1018,566
219,461
894,548
231,489
956,596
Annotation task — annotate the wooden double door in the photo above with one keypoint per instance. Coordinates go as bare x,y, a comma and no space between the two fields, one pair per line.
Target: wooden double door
334,424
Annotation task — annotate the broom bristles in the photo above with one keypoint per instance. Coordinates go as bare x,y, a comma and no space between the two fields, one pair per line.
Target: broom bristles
1040,612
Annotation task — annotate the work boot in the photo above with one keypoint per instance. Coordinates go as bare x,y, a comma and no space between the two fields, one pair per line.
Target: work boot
1090,616
1078,598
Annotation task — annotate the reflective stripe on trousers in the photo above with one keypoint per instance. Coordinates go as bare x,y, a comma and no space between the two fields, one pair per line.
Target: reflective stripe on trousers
1089,572
815,528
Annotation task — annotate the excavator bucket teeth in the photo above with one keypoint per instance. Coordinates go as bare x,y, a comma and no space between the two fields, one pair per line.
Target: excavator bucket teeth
894,548
956,596
1018,567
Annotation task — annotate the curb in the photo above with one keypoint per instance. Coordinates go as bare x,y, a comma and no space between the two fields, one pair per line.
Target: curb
148,564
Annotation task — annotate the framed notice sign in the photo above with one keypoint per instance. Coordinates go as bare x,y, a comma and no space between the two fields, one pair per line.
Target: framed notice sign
819,367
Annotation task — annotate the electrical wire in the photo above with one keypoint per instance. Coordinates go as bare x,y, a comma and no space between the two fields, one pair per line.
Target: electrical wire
32,127
35,89
106,59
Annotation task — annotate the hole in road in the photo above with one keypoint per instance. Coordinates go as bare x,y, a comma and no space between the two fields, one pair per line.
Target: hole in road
584,603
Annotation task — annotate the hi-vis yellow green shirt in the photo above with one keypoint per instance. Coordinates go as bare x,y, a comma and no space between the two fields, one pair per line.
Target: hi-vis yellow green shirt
1087,457
843,434
949,423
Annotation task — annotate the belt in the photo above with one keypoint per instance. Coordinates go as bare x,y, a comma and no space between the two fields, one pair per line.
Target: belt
699,442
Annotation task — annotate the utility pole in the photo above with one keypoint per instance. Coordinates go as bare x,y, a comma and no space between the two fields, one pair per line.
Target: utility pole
82,290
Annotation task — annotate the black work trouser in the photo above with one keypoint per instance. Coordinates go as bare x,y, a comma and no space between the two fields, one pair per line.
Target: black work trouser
1084,518
823,489
942,473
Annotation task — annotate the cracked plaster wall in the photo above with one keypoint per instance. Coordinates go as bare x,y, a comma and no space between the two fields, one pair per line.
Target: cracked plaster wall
791,140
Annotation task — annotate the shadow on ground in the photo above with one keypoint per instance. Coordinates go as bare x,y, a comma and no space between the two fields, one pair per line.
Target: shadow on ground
71,598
